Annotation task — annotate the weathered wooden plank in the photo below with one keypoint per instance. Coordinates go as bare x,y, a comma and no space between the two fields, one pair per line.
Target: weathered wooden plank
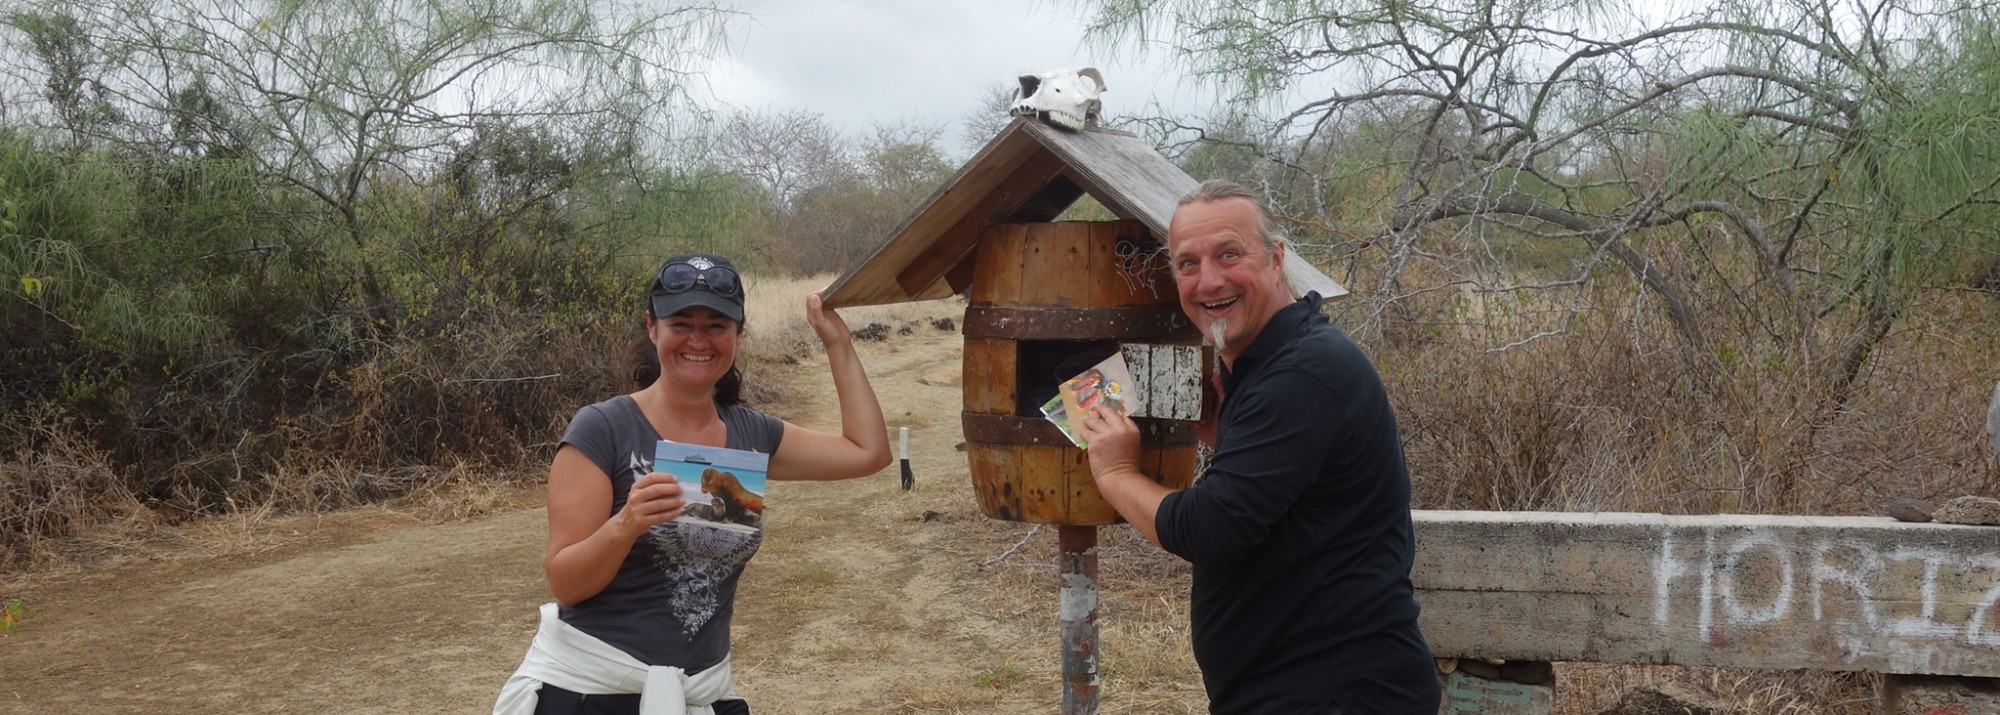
987,371
1044,492
1169,379
1121,171
1139,362
1733,591
1176,468
999,265
1107,282
1025,172
1082,501
957,279
1055,265
1126,175
925,272
996,483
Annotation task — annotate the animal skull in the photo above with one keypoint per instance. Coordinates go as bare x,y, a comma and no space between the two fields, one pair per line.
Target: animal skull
1062,96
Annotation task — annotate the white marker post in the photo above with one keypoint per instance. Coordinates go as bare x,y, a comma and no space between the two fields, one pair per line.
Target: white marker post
909,479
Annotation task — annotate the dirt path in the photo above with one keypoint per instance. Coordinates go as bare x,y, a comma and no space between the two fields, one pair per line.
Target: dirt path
865,599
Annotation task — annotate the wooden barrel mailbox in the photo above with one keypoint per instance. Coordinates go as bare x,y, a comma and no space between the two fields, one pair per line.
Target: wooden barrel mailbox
1051,300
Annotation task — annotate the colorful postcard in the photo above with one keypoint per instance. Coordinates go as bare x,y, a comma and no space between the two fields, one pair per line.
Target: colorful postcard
724,488
1105,386
1053,409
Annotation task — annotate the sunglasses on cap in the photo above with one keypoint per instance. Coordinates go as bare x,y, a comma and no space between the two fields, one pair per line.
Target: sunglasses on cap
683,277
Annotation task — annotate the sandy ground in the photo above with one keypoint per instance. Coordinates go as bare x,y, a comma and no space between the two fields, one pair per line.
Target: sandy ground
865,599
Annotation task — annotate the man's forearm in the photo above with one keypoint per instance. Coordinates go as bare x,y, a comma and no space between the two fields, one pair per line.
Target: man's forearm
1136,498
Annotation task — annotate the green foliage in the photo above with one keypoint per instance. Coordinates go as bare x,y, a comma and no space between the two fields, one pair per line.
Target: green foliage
67,227
363,236
353,239
12,613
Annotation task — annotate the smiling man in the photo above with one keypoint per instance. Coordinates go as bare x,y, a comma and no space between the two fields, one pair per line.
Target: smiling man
1299,532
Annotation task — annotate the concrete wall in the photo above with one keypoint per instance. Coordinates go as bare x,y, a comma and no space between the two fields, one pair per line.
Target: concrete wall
1734,591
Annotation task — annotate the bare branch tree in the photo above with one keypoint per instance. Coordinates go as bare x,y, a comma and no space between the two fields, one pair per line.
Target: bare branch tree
328,95
989,115
1813,131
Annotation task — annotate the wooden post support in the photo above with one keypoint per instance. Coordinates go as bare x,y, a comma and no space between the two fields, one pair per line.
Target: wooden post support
1078,605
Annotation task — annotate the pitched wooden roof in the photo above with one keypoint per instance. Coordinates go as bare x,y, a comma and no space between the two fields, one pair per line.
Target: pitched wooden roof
1030,172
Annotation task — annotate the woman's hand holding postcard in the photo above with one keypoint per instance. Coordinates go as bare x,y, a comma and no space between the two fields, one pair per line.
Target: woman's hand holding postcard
724,488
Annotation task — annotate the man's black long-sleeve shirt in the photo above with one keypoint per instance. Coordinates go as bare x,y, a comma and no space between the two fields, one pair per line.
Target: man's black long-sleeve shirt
1300,534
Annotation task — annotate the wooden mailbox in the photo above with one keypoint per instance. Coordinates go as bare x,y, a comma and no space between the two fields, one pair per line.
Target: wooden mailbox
1051,299
1048,296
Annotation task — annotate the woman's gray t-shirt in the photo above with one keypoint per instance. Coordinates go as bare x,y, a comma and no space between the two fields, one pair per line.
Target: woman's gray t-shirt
672,599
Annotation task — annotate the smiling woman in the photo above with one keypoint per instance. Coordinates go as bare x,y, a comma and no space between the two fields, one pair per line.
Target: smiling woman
643,603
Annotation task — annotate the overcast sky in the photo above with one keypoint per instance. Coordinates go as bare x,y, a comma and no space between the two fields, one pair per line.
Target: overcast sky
863,62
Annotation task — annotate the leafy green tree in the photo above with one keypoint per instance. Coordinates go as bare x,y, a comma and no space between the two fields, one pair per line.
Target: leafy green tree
234,229
341,99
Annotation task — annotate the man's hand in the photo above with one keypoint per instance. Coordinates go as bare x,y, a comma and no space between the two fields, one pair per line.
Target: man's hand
1114,466
1114,444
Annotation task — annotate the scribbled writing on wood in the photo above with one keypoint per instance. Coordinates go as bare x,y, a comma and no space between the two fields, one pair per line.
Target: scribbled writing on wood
1829,593
1920,608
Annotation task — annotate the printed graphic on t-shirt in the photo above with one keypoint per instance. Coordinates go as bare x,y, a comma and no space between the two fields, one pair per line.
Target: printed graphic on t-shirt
695,559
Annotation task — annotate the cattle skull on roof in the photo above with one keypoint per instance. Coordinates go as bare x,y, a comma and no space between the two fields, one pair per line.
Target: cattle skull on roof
1065,97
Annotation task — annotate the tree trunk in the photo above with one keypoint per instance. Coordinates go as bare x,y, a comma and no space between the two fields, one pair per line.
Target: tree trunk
1993,420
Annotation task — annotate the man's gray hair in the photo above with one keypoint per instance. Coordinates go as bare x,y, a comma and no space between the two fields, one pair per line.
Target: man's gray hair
1219,189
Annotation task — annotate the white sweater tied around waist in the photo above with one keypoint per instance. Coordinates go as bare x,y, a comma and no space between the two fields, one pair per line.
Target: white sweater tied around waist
573,660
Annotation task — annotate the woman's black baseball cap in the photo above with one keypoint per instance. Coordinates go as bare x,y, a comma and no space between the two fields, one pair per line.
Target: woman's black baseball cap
692,279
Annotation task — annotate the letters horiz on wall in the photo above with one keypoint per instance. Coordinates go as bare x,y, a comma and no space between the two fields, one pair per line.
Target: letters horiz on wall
1720,590
1918,608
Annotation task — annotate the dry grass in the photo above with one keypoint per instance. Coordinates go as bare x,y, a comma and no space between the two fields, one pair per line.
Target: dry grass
777,332
1614,417
1590,688
60,499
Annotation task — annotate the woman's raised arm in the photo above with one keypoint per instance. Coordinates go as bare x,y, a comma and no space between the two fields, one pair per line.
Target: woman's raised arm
862,447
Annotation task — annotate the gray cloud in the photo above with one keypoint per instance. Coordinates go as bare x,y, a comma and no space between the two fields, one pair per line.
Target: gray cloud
864,62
